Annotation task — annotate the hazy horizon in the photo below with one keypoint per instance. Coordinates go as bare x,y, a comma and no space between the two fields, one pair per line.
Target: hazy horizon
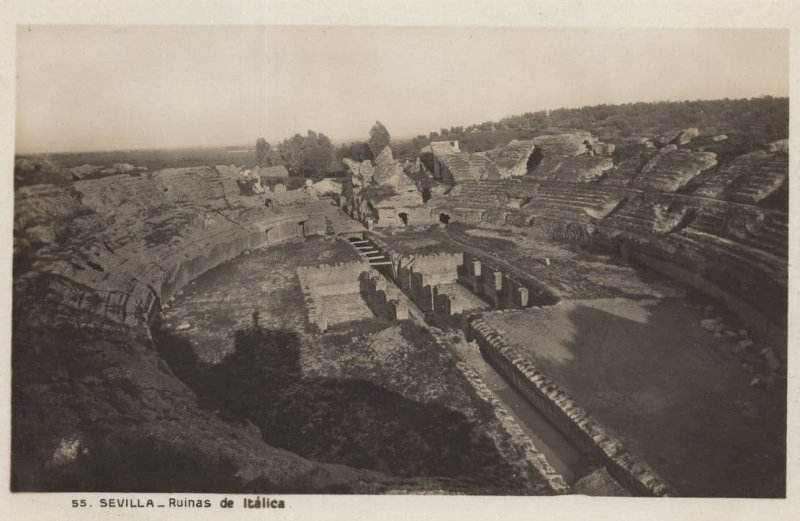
105,88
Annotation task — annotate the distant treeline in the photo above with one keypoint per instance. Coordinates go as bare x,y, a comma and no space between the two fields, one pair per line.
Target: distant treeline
764,118
156,159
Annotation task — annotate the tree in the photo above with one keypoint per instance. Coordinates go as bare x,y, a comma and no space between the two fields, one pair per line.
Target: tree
265,154
309,155
379,138
262,148
358,151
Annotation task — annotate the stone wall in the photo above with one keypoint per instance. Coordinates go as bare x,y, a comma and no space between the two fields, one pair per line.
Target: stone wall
752,317
326,280
565,414
502,290
372,287
414,216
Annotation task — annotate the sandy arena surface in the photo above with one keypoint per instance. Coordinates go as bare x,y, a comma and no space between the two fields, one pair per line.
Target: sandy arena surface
665,386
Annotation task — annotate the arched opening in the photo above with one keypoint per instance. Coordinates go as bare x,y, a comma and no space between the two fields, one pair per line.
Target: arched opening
444,218
534,159
403,217
426,194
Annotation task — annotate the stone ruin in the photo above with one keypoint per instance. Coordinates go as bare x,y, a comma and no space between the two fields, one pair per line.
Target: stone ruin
99,257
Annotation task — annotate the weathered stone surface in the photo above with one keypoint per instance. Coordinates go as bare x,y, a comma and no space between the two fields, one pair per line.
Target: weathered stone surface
750,178
327,187
687,135
672,169
782,145
511,160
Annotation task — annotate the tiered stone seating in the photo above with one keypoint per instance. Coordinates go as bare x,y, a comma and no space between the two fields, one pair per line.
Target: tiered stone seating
640,216
746,229
670,170
468,167
763,180
572,201
511,159
568,144
749,179
578,169
480,195
625,171
567,201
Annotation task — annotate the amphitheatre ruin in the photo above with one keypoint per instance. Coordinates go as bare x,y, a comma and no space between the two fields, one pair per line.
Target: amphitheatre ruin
549,316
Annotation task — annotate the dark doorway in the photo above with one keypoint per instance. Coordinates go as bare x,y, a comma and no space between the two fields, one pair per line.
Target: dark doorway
444,218
403,217
534,159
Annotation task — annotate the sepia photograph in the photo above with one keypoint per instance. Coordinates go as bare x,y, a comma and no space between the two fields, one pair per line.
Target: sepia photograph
277,260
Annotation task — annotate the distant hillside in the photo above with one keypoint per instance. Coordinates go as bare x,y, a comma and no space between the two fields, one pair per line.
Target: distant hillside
749,123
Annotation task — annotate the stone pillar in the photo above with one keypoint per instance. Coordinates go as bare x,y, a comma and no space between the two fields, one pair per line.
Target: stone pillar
454,305
492,285
524,296
426,300
379,303
404,278
475,272
398,310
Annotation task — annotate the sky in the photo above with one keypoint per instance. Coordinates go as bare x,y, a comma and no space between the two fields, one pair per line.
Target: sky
85,88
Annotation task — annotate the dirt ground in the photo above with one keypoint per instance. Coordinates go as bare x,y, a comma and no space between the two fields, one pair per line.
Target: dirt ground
665,386
367,393
223,299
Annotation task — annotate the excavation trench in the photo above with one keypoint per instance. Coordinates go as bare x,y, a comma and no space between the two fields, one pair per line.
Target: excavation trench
562,454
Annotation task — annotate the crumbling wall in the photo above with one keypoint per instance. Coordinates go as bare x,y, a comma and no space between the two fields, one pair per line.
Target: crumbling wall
333,279
372,287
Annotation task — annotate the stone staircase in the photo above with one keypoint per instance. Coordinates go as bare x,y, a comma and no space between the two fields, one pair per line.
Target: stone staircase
369,251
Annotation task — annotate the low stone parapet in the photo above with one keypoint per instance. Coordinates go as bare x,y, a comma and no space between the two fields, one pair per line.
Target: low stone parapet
561,410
